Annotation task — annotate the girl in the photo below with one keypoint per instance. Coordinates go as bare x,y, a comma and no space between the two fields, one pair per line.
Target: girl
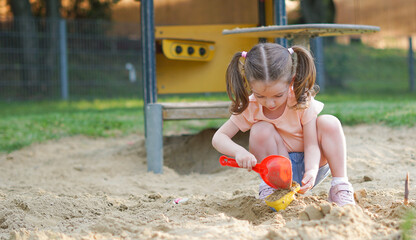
282,116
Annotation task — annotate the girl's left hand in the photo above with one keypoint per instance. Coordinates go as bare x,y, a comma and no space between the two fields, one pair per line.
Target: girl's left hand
308,181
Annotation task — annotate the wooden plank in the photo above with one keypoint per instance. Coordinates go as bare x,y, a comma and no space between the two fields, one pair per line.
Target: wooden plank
307,30
195,110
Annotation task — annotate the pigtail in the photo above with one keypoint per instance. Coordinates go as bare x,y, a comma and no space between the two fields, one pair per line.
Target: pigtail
237,85
305,75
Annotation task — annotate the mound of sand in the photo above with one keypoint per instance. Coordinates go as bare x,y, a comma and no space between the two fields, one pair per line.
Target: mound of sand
86,188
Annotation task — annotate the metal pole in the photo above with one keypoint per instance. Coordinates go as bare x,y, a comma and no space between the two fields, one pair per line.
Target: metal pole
63,59
411,67
262,17
153,111
262,13
280,18
148,51
318,50
154,138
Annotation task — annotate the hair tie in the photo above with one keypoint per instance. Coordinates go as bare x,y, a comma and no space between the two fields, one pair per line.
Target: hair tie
290,51
244,54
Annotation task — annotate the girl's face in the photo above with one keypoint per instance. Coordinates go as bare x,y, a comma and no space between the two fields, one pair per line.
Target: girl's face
272,95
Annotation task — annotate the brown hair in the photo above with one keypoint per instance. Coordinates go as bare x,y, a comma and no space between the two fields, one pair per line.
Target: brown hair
271,62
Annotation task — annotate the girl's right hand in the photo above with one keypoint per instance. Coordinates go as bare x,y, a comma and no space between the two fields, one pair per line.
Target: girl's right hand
246,160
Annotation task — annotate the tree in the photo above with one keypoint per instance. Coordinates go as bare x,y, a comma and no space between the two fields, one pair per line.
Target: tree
315,11
73,9
26,18
318,11
52,12
26,27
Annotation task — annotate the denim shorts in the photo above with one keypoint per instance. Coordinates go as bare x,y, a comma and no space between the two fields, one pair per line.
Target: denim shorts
298,168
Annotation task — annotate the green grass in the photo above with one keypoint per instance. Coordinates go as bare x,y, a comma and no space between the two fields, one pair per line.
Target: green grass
22,124
392,110
356,68
408,225
367,86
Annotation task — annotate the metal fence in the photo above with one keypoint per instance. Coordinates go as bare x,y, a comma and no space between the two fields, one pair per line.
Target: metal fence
45,59
66,59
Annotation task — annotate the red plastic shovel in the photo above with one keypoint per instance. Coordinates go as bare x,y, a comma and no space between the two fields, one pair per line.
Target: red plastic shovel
276,171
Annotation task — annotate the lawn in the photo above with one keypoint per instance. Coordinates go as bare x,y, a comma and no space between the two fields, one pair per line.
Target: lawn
364,86
22,124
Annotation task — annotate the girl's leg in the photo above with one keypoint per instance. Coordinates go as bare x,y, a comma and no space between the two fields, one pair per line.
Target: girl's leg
265,141
331,141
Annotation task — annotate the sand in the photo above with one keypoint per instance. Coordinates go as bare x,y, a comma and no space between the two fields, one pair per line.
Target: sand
280,193
88,188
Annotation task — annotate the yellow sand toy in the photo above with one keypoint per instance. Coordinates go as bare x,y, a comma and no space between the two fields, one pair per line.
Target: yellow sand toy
284,201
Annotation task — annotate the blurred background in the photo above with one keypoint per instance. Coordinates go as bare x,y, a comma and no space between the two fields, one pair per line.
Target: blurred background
70,67
89,49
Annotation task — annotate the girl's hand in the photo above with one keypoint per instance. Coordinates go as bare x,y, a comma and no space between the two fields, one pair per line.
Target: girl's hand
308,180
246,160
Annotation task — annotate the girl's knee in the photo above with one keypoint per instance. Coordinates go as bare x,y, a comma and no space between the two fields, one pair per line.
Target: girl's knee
328,124
261,131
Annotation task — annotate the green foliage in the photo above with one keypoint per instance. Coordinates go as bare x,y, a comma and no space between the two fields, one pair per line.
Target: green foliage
357,68
314,11
73,9
317,11
408,225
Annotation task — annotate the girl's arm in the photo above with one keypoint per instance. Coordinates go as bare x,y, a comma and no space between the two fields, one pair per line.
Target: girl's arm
312,155
223,143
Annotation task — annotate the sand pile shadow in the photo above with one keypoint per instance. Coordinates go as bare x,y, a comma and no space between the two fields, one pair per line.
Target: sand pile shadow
194,153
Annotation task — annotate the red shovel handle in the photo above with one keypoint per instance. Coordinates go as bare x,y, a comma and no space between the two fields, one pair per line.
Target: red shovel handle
230,162
226,161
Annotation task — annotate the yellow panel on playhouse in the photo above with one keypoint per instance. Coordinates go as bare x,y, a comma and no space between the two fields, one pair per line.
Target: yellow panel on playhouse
193,59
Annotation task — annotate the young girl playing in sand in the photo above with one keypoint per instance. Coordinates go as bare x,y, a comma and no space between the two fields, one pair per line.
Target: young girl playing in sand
282,117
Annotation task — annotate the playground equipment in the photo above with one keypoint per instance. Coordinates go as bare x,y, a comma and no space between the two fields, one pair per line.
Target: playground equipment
193,59
301,34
